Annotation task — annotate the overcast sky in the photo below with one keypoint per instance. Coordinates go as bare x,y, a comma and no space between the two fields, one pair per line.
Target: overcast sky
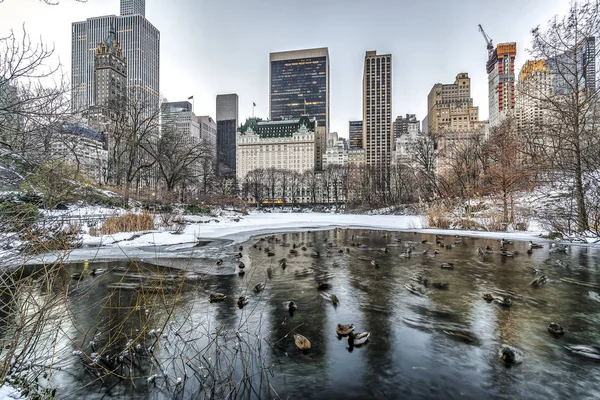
222,46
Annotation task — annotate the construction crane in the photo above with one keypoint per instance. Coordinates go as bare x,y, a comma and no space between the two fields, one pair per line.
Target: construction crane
490,49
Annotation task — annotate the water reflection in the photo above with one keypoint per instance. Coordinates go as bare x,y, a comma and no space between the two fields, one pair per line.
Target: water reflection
443,343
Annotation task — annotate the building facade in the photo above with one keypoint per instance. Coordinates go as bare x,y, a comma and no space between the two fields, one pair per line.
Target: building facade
178,117
227,125
208,132
450,107
288,145
140,44
82,147
402,125
378,136
356,134
110,82
299,85
575,69
501,81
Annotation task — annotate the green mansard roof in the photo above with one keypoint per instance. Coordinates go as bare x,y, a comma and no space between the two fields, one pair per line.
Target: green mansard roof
285,128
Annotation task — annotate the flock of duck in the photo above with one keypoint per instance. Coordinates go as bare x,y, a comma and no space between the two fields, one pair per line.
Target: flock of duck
507,354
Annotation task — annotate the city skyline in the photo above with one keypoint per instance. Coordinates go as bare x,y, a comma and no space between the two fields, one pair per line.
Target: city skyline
238,59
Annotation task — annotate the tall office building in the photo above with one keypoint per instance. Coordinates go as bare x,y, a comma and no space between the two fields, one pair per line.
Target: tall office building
299,84
356,134
131,7
208,132
575,68
140,44
227,124
177,117
501,81
378,136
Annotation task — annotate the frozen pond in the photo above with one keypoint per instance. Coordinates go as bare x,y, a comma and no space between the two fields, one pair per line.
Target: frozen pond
441,343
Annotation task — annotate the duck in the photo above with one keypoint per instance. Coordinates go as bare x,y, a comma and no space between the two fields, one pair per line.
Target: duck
556,329
503,301
283,263
488,297
215,297
292,306
270,273
241,265
413,289
534,271
242,301
260,287
509,355
219,262
507,253
539,281
97,271
315,254
534,245
530,251
238,255
436,252
374,263
439,285
331,297
77,275
270,253
421,280
323,285
447,266
347,249
302,342
503,242
344,329
293,251
385,250
241,248
356,339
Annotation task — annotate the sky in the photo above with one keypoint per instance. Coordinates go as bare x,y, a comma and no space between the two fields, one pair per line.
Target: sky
209,47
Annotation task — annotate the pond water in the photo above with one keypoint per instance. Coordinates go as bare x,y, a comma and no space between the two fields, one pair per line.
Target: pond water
438,344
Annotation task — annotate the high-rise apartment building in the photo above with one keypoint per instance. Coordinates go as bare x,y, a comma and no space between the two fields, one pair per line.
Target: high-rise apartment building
378,136
402,125
227,125
140,44
450,106
299,84
535,85
575,69
501,81
356,134
131,7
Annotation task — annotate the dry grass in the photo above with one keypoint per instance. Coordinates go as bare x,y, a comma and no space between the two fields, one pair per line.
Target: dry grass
128,223
437,218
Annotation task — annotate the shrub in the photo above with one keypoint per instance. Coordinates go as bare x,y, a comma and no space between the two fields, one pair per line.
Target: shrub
128,223
196,209
17,216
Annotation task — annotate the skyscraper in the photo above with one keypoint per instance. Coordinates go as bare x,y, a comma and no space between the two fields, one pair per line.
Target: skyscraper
378,137
403,124
299,84
501,81
140,44
450,106
110,82
227,124
131,7
356,134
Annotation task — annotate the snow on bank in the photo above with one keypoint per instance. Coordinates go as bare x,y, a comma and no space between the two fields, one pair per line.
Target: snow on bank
241,228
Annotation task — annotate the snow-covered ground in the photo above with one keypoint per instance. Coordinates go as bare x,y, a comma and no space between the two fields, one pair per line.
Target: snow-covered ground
230,229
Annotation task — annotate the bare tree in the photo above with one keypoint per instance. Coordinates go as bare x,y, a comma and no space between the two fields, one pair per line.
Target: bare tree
256,185
311,183
569,133
272,176
132,140
295,185
425,159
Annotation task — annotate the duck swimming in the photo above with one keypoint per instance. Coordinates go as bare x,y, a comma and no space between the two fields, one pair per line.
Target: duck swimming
510,356
447,266
534,245
344,329
439,285
292,306
215,297
260,287
356,339
539,281
586,351
488,297
219,262
556,329
301,342
242,301
503,301
77,275
97,271
241,265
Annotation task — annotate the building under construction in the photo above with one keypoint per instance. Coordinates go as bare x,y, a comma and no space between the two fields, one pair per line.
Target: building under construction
501,78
